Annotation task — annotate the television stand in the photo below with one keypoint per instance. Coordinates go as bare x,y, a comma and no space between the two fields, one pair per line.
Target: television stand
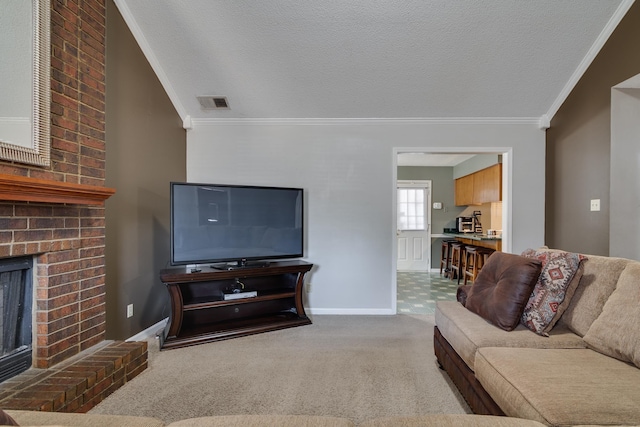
201,313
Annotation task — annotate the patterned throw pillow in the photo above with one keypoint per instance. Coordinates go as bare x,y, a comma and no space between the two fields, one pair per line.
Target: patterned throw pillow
561,273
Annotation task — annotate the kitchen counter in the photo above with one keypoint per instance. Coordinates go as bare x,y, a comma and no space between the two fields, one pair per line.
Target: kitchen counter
483,240
473,236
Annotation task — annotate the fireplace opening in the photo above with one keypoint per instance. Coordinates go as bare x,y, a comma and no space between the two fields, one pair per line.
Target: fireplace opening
16,300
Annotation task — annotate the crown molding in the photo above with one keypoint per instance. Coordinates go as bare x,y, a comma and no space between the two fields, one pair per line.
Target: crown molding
367,121
544,123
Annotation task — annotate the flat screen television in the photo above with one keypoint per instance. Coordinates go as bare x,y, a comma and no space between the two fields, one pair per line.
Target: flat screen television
234,226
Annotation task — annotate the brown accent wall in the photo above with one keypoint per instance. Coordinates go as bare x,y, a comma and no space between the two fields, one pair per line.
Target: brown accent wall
578,146
67,240
146,150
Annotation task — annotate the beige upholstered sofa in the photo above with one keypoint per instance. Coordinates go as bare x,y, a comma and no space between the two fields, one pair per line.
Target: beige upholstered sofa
32,418
585,372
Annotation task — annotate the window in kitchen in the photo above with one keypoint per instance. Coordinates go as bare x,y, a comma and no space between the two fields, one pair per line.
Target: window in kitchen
411,205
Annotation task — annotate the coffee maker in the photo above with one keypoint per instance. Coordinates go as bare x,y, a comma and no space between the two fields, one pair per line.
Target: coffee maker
477,225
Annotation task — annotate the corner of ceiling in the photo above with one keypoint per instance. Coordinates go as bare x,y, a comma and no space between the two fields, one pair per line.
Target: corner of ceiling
151,58
631,83
187,124
606,32
544,122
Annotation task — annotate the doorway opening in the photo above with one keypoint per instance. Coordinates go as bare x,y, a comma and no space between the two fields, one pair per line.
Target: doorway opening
440,166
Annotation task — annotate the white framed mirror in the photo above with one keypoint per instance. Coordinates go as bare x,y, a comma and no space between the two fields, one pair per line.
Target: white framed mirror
25,84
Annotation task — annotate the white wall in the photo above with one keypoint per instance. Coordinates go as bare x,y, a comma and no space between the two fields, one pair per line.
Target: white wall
347,168
624,231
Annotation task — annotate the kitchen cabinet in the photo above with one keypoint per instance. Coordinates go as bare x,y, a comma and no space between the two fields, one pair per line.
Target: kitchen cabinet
483,186
464,190
487,185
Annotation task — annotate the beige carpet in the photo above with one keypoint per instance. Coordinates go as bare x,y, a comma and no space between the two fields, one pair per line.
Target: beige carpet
358,367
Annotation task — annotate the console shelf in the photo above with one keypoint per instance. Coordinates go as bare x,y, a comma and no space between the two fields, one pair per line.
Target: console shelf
200,314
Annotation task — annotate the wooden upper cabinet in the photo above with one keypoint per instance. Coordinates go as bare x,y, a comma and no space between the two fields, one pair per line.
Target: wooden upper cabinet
492,184
487,185
484,186
464,190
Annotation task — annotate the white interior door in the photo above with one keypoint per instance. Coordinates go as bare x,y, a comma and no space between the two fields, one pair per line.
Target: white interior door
414,225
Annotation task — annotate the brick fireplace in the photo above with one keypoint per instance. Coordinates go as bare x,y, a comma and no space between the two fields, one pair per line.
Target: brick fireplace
56,216
65,236
16,299
67,243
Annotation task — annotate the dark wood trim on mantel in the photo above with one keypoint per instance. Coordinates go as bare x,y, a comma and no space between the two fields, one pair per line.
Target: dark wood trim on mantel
25,189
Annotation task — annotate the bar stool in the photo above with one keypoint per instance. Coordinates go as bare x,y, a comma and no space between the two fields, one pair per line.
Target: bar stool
457,260
485,255
445,257
475,259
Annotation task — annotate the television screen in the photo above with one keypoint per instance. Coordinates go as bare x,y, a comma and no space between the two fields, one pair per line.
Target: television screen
213,223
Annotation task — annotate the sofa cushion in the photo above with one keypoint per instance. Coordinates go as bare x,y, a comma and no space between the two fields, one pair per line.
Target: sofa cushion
264,421
38,418
561,387
466,332
449,420
599,277
6,419
558,280
616,332
502,289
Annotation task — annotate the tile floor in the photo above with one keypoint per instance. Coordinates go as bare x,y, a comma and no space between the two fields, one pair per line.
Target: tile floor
419,291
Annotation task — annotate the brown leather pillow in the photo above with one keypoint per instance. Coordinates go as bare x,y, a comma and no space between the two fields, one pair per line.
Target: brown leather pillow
461,293
502,289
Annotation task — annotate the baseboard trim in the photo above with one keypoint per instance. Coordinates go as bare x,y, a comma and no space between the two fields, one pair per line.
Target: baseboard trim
151,331
352,311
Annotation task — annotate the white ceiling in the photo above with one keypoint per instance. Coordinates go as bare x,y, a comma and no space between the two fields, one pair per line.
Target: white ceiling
371,59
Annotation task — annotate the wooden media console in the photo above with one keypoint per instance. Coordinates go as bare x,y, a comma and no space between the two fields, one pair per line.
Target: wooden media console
208,305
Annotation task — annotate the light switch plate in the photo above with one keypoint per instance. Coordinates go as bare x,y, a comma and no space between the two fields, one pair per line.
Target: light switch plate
595,205
437,205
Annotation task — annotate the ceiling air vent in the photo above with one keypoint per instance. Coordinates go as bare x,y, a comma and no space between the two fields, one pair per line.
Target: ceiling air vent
213,102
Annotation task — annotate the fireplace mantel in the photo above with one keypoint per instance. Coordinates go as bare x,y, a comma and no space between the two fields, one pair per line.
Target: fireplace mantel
25,189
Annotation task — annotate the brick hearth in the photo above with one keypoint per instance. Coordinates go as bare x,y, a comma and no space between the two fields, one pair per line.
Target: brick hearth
79,383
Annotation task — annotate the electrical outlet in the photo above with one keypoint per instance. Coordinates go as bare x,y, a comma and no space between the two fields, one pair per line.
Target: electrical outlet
130,310
308,287
595,205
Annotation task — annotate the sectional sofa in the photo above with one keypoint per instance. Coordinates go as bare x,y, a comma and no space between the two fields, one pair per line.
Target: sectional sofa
32,418
582,369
